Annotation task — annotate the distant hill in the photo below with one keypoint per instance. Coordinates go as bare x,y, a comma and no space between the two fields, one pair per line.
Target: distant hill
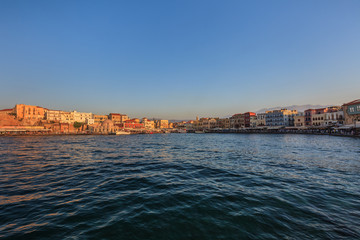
300,108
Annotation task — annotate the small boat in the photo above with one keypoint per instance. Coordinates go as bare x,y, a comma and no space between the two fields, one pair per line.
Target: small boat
122,133
199,131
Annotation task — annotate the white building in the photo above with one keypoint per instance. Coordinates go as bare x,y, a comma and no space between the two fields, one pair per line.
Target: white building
334,118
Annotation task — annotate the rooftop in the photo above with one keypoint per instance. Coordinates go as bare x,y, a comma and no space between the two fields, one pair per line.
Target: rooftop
352,103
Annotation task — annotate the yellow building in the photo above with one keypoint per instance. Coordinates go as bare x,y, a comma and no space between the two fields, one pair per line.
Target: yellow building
299,121
100,118
318,119
161,123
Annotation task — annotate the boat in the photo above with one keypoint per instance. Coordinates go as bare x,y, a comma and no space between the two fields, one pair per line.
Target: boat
122,133
200,131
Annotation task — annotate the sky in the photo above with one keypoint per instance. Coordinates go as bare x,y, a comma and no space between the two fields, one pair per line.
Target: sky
178,59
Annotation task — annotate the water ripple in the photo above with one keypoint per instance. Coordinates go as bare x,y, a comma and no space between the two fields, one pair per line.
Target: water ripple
180,186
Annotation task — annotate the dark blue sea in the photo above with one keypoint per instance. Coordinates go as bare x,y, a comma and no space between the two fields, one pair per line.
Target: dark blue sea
180,186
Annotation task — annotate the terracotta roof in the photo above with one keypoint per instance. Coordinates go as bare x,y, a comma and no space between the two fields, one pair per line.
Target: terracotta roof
10,109
352,103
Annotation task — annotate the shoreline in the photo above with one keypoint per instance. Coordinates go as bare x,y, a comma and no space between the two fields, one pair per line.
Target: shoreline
216,132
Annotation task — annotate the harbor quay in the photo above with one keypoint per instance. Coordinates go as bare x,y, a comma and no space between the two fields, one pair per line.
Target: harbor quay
24,119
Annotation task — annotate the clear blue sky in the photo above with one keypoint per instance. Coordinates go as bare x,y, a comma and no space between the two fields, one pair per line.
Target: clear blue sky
178,59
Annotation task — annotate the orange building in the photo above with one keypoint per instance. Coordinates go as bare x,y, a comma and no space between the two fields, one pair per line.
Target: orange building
28,112
118,118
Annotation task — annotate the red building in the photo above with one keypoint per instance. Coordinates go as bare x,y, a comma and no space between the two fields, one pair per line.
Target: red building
133,123
247,117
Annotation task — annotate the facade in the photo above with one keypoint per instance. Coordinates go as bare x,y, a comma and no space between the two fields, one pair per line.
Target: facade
118,118
280,118
81,116
105,127
67,117
334,118
148,124
237,120
318,119
309,115
248,116
133,123
209,123
260,120
224,123
351,112
90,121
99,118
161,123
30,113
53,115
299,120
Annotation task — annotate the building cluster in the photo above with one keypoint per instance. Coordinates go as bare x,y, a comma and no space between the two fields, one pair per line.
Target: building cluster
345,116
29,118
24,117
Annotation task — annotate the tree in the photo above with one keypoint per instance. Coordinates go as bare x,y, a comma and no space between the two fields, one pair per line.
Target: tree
77,124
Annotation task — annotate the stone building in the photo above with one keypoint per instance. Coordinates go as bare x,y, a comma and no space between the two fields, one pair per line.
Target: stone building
351,112
106,127
237,120
29,113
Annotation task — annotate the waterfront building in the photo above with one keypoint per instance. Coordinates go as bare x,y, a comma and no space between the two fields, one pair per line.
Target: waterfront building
224,123
318,119
118,118
310,118
260,120
99,118
81,116
237,120
53,115
161,123
335,118
249,117
299,119
148,124
105,127
29,113
351,112
132,123
90,121
59,128
209,123
253,121
67,117
189,124
280,118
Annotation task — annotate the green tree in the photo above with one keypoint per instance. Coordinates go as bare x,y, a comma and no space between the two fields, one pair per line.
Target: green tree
77,125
